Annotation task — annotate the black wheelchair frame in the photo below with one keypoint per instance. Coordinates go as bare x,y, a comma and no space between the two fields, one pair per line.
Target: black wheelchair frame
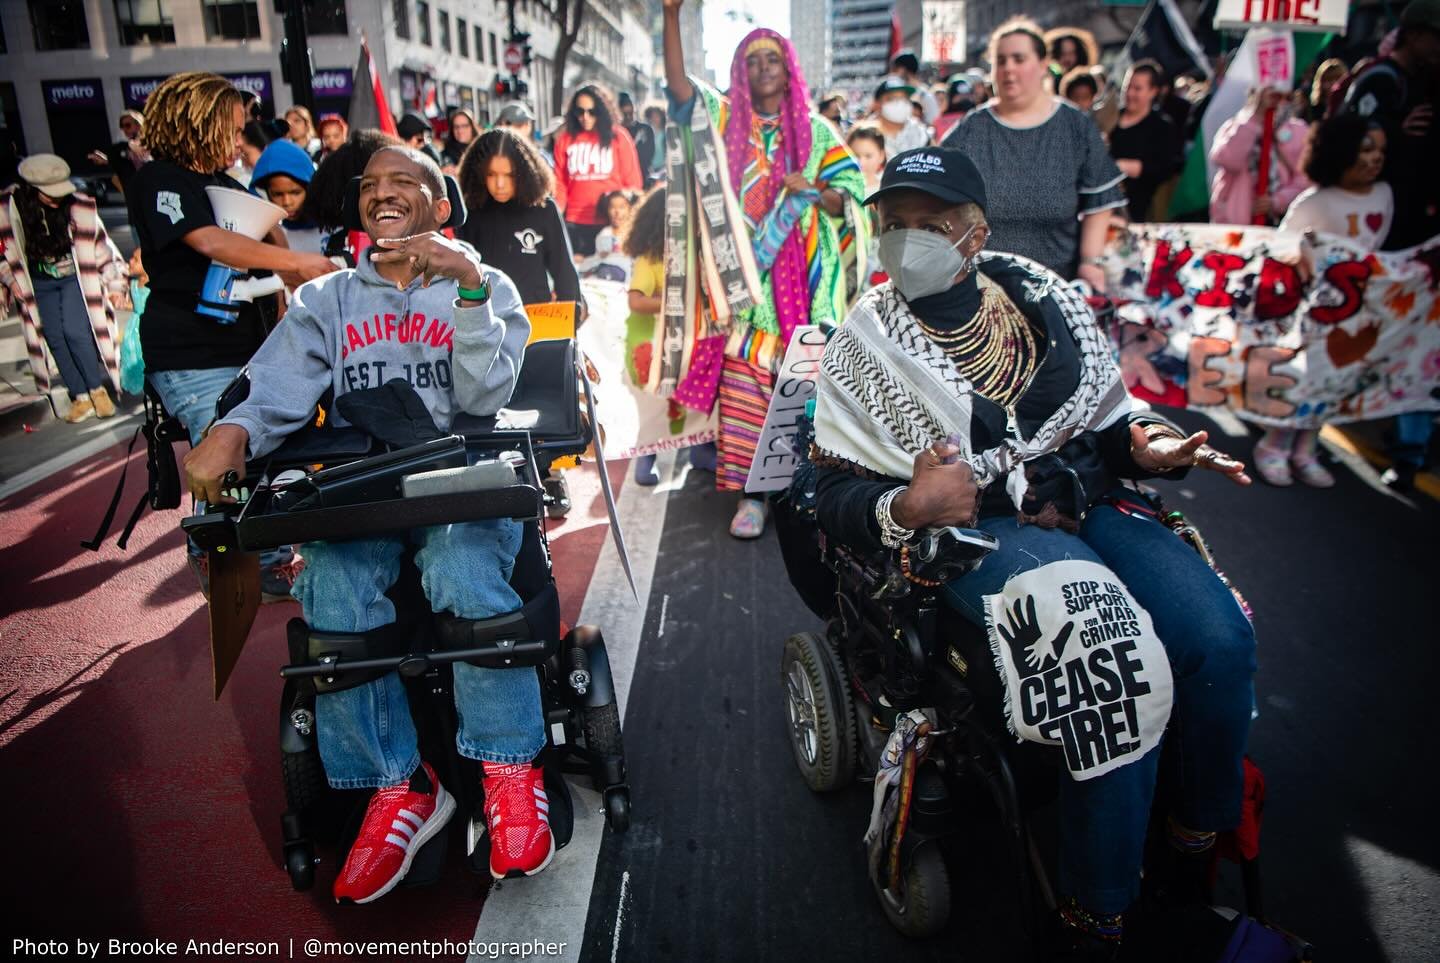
358,494
890,645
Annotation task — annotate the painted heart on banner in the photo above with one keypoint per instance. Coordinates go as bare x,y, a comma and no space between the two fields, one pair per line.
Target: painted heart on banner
1373,221
1346,348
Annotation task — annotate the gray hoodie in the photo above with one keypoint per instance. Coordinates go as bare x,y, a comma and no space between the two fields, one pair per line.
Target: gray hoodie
353,329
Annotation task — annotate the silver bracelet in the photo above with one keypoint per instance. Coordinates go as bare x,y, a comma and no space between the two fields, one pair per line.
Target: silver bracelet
891,534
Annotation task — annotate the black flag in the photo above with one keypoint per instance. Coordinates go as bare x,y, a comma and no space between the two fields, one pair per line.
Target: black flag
1163,36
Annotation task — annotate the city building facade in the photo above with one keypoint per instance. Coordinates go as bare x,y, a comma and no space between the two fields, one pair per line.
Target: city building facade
859,44
810,32
69,67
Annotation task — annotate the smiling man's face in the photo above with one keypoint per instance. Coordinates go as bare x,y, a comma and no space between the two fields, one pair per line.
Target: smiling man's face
400,196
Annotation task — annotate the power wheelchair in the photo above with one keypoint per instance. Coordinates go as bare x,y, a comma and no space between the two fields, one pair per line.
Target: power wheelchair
893,652
329,483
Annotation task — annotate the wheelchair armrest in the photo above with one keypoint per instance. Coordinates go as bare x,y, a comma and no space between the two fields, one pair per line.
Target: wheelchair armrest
942,554
317,446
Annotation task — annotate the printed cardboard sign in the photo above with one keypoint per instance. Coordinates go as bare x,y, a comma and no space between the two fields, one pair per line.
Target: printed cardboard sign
775,457
1082,666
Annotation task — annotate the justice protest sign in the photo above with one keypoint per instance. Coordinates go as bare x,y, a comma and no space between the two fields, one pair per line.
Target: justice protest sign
1286,330
775,457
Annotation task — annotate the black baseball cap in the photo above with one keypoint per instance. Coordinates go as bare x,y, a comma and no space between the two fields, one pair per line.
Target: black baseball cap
412,125
942,172
891,83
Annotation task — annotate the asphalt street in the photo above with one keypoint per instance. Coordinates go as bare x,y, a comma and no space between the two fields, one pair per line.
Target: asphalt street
731,857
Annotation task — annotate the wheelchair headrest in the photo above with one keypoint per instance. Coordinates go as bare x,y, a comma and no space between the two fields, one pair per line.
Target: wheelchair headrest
452,190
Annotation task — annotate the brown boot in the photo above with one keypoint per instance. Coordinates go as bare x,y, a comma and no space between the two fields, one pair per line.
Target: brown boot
80,409
104,407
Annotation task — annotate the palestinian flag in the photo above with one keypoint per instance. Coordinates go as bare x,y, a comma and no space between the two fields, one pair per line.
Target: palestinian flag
368,106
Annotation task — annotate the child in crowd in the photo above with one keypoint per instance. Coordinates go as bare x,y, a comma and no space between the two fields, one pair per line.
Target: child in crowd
867,142
1344,158
282,176
513,220
644,243
609,262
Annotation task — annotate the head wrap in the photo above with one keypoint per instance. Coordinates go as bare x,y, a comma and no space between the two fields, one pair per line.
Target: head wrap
788,273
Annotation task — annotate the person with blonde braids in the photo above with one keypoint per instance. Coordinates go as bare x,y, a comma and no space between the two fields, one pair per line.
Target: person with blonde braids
193,125
776,147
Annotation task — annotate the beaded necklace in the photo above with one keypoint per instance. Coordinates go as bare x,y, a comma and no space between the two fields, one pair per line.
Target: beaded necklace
996,350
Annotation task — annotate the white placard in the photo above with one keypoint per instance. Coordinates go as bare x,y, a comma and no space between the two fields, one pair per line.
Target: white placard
943,31
775,457
1314,16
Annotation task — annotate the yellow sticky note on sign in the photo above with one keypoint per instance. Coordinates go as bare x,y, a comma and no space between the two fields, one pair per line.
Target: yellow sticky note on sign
551,320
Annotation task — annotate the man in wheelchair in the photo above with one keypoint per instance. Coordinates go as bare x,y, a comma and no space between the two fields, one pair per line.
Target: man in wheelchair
422,308
977,391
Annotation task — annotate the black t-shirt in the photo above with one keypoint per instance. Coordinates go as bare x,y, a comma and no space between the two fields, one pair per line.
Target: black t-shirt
1386,94
1155,143
529,245
167,202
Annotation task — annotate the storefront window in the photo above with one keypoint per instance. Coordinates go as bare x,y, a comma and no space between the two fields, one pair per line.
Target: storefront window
232,19
59,24
143,22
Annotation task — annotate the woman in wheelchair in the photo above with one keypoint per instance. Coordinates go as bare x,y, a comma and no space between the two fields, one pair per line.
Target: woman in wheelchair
422,308
976,390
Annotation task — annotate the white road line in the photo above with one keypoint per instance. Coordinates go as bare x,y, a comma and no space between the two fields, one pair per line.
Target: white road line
619,916
553,906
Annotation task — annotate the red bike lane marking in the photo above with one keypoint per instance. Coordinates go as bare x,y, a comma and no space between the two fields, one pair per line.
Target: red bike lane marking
149,809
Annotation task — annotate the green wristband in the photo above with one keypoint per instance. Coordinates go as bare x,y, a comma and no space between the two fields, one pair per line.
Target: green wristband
482,293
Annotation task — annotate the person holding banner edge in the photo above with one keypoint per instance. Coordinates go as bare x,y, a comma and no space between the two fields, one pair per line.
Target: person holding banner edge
1017,423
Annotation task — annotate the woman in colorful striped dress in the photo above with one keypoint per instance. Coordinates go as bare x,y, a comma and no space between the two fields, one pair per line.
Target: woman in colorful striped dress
776,146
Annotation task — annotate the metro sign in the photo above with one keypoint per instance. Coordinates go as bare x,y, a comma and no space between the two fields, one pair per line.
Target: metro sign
1312,16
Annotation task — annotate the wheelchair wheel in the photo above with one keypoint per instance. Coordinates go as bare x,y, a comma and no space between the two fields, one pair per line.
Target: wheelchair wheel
617,810
305,783
300,864
820,712
922,907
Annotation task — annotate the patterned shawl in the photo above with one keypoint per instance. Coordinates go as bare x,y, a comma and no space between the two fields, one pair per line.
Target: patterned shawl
887,391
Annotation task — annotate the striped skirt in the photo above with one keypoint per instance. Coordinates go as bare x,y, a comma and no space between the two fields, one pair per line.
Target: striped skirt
745,390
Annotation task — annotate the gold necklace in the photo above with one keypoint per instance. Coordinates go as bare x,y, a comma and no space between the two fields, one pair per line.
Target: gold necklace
997,351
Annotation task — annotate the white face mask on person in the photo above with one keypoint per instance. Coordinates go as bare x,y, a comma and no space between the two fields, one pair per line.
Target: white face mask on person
896,111
922,263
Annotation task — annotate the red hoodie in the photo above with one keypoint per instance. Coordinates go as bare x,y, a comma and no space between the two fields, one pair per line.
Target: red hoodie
588,172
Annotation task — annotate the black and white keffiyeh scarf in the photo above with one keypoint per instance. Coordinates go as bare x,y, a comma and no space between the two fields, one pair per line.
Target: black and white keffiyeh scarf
887,391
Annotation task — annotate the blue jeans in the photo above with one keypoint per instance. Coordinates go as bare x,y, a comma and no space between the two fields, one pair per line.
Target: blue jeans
65,325
1212,658
191,397
367,738
1412,437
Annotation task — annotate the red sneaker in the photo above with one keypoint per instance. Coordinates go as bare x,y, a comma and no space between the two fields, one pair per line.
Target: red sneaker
397,823
517,813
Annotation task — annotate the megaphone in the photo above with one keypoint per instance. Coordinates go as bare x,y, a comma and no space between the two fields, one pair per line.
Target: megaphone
243,213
